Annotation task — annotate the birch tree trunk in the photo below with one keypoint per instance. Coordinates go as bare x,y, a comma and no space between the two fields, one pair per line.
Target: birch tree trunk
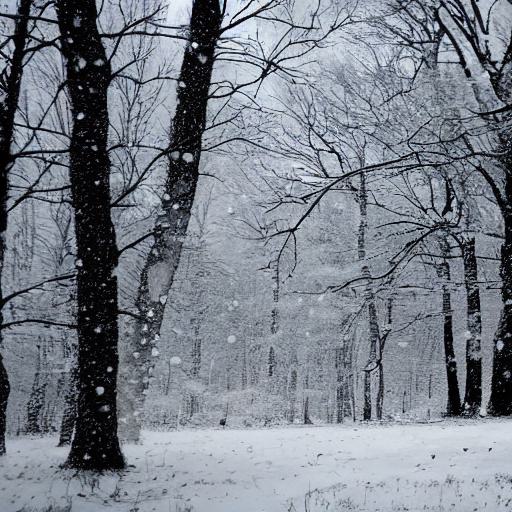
473,394
8,107
183,173
95,445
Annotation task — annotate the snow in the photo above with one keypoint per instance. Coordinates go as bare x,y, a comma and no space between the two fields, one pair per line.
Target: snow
450,465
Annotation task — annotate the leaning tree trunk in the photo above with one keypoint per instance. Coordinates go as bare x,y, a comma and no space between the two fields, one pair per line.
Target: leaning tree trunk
473,394
185,151
8,107
95,444
453,407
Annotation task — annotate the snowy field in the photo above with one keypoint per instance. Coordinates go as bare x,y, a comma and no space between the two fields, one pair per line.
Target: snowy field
462,466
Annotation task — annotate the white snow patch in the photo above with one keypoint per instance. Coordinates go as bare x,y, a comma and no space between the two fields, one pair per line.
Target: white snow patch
451,465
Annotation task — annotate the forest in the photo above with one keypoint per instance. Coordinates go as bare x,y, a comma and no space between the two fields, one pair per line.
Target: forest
259,233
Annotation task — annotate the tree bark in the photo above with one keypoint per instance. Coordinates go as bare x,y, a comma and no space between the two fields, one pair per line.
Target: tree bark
500,403
453,407
340,380
473,394
373,325
8,108
382,342
95,445
183,173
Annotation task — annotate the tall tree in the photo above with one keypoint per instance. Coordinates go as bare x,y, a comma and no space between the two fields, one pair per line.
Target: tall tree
184,150
453,403
95,444
10,85
473,394
469,28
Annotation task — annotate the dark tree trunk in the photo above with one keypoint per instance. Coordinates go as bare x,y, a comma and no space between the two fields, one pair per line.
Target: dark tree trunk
379,407
373,325
500,403
8,107
185,151
340,378
473,394
95,444
374,337
195,370
69,415
293,395
4,396
271,367
453,407
382,343
306,418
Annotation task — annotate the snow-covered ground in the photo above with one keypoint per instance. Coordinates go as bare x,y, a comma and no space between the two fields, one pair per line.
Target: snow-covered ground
462,466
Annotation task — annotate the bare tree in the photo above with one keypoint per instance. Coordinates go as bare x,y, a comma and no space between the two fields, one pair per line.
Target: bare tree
468,26
10,89
95,444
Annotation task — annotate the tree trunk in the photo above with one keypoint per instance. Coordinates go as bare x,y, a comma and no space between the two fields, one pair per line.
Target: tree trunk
473,394
500,403
271,366
4,397
185,151
306,418
382,342
340,380
95,445
373,326
8,107
453,407
374,338
196,365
